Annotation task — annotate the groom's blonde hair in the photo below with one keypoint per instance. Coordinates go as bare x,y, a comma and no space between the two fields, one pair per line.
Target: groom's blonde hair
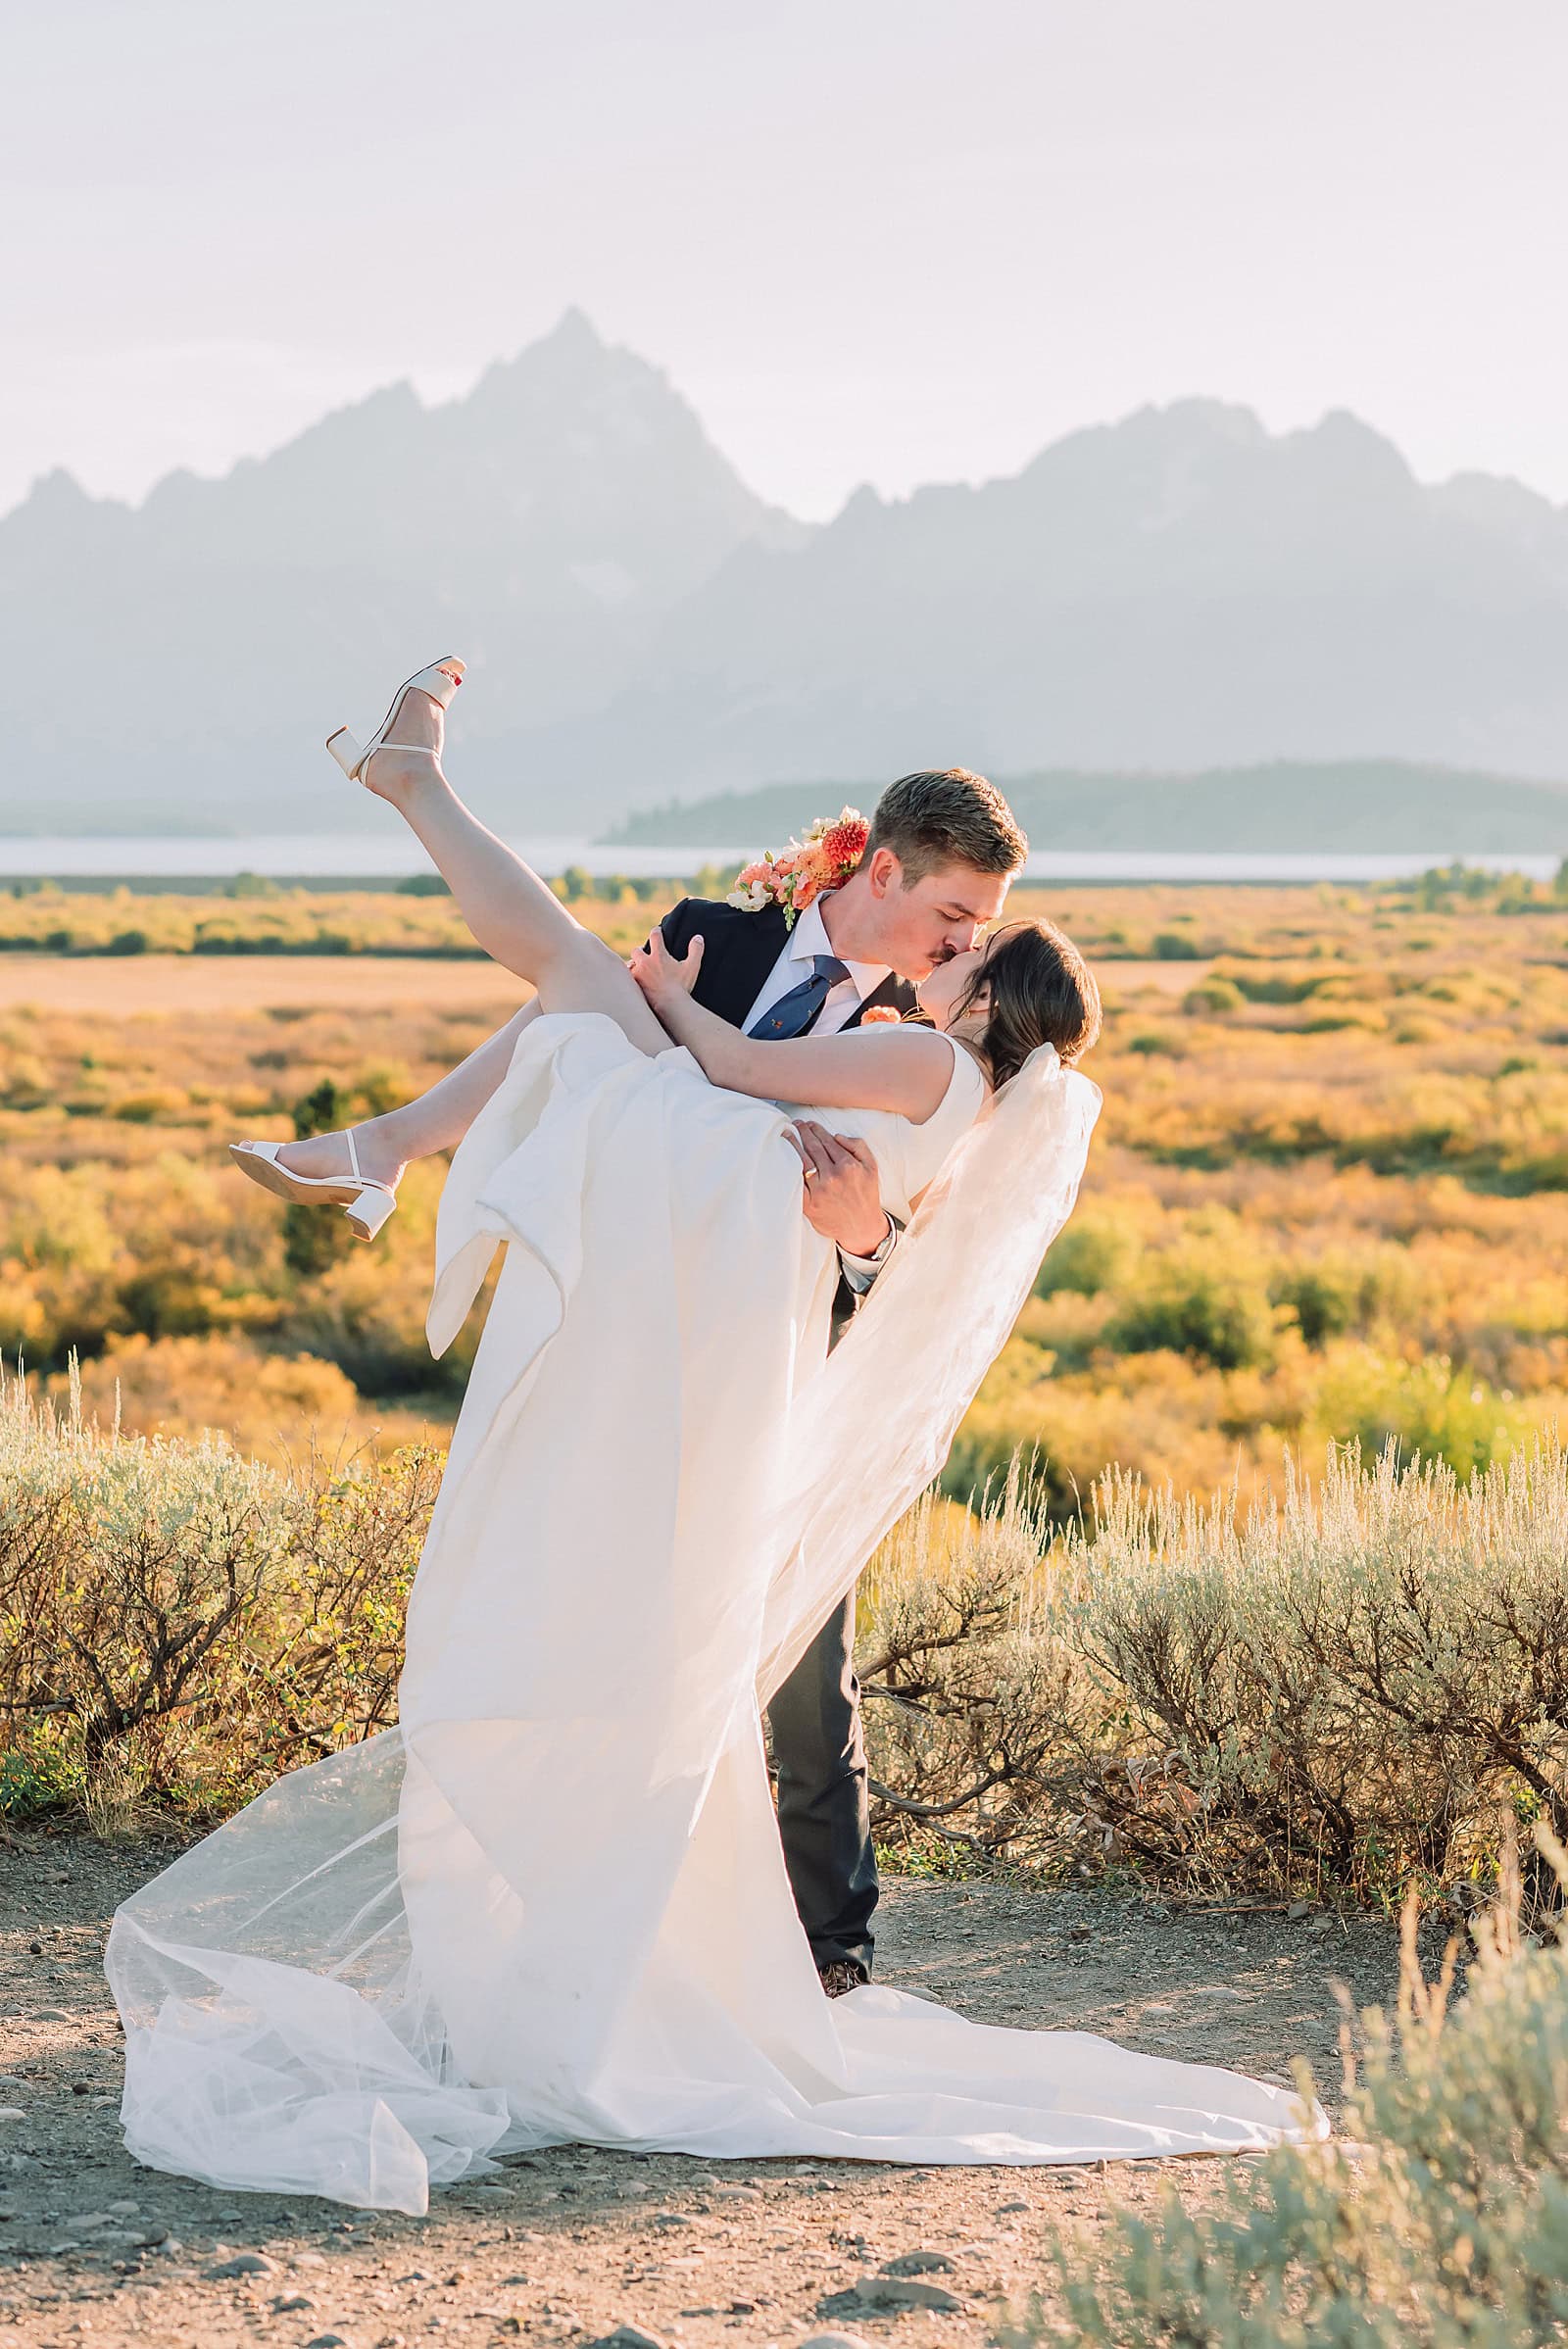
947,815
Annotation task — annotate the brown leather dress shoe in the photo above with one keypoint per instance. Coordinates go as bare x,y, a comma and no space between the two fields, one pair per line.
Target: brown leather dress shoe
843,1974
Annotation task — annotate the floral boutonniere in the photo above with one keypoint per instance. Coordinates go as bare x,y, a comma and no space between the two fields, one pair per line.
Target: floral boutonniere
879,1012
804,869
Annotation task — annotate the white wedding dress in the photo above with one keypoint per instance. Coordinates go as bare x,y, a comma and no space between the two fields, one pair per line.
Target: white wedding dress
551,1905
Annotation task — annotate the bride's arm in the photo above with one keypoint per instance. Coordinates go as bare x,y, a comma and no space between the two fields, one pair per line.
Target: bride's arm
905,1069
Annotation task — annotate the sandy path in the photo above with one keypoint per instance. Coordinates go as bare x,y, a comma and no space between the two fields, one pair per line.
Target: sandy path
121,985
567,2245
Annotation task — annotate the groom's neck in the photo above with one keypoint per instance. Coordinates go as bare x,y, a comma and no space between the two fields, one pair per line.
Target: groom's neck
849,917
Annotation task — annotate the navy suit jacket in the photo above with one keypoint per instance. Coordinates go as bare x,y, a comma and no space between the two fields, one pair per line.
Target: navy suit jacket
740,949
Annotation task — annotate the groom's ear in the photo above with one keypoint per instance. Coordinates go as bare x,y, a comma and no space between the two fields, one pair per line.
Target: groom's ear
884,872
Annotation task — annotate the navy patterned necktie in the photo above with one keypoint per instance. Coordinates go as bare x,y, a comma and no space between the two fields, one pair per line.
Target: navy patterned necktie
795,1013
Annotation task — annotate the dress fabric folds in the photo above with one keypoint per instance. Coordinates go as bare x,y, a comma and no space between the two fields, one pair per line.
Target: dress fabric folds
551,1905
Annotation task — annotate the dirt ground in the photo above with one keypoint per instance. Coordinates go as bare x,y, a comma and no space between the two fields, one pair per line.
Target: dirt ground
567,2246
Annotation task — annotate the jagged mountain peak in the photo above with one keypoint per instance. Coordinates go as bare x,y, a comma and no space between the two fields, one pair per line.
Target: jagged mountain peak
56,492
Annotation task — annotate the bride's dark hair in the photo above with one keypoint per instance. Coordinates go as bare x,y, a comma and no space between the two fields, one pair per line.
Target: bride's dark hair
1041,990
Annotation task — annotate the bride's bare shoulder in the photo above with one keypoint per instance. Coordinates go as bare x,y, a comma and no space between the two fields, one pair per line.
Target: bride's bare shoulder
930,1064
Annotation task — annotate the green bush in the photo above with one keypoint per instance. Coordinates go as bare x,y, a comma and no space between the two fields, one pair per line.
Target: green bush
1216,999
1191,1302
1425,1409
1094,1252
1280,987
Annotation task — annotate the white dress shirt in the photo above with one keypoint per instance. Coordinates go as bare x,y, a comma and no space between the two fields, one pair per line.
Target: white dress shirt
807,938
805,941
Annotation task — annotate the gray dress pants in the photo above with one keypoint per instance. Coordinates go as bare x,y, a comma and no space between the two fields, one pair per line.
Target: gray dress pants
823,1813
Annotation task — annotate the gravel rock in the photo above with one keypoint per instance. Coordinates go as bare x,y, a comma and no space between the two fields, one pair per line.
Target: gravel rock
245,2263
918,2262
869,2293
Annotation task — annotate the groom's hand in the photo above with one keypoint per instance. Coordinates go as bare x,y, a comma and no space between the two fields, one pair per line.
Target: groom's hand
842,1193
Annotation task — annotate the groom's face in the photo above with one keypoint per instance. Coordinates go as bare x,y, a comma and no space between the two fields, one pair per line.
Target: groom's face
941,915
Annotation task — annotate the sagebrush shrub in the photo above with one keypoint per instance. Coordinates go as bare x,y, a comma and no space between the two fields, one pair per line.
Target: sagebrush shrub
1438,2218
182,1620
1332,1690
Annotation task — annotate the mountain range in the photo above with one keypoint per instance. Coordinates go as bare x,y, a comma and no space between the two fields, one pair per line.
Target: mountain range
1176,593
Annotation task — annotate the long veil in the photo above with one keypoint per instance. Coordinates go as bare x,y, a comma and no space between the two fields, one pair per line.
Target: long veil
920,1344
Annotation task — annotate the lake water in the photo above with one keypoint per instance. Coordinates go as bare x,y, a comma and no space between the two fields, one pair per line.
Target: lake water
328,855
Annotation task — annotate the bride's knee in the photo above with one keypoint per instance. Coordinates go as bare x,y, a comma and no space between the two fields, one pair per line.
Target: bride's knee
582,968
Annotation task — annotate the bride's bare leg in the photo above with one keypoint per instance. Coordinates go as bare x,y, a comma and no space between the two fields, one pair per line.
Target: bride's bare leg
516,919
436,1120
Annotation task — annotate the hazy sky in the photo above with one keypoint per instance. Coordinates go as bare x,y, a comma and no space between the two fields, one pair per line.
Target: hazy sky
882,240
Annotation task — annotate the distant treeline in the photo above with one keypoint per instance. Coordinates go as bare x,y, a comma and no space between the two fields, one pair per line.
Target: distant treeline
1378,807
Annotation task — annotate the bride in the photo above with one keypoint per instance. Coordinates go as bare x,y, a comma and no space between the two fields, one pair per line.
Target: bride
551,1906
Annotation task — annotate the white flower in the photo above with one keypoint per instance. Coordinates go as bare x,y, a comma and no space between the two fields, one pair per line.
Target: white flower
750,899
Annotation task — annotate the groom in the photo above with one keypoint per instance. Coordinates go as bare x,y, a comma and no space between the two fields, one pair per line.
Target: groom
943,848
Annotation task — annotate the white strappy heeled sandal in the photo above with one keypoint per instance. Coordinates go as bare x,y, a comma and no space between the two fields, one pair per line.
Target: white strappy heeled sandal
437,681
367,1208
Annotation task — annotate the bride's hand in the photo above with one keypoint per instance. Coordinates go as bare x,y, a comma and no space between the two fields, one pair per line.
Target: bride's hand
663,980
